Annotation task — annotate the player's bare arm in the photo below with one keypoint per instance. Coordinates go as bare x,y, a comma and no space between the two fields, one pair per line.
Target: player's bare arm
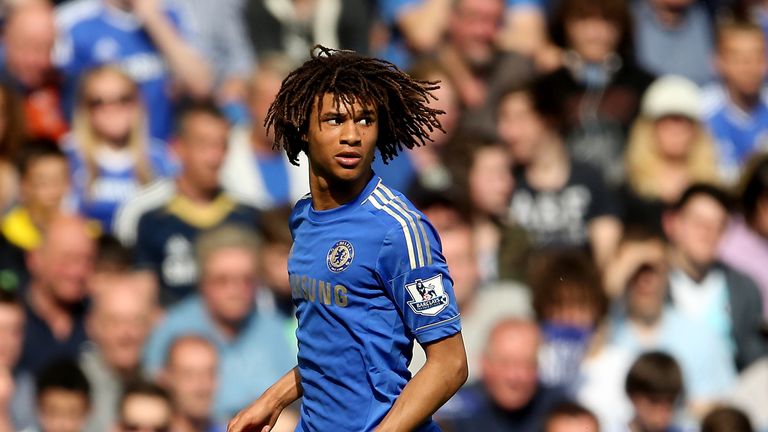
442,375
262,414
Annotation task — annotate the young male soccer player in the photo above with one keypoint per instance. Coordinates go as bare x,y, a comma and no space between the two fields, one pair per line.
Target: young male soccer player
363,258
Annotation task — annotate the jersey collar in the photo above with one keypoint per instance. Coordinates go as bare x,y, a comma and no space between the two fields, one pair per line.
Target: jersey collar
335,213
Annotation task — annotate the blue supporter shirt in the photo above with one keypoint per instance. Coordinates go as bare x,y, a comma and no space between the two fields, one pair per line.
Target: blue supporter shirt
739,134
92,33
367,278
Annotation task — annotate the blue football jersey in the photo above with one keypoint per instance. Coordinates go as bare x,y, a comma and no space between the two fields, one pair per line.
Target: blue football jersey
367,278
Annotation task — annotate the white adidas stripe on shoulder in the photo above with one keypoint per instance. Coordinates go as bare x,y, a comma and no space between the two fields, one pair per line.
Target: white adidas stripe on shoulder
399,202
403,225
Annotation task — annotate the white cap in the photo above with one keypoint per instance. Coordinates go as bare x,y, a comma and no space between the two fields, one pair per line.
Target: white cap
672,95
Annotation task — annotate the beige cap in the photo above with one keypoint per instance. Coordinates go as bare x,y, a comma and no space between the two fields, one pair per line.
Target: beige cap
672,95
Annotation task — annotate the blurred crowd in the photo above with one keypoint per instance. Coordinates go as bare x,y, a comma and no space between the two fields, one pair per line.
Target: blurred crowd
600,189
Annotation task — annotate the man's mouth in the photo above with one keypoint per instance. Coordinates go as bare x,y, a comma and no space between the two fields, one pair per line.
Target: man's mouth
348,159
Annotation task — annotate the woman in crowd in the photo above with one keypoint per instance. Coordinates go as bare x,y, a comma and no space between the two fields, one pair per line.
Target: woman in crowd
481,169
600,83
111,154
668,150
11,137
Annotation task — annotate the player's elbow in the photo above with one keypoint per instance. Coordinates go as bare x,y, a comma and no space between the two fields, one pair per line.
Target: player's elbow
457,364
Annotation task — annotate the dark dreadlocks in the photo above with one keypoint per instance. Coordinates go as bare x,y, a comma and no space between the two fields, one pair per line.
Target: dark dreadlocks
404,118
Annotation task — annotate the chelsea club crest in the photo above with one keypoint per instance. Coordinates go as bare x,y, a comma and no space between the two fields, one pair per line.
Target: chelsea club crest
340,256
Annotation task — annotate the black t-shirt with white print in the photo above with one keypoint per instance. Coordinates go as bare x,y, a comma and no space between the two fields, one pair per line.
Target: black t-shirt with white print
560,218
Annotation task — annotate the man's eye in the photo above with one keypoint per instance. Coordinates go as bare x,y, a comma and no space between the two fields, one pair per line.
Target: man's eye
333,121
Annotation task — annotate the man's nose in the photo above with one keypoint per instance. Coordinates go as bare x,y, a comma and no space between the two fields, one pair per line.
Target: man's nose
350,134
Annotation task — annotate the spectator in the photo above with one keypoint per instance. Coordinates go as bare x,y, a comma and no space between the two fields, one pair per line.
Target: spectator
145,40
510,396
668,150
481,170
13,269
118,323
745,243
63,398
416,27
481,306
253,351
190,375
474,62
253,169
645,322
110,152
654,384
44,185
569,302
570,417
704,289
222,39
293,28
18,386
560,202
55,297
750,393
599,81
28,39
737,107
674,37
726,419
425,166
276,235
167,216
144,406
12,131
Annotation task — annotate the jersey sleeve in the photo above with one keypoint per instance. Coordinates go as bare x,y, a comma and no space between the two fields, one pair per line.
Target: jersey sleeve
414,273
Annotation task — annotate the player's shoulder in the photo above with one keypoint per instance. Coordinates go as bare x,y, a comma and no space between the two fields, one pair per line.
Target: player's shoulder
299,212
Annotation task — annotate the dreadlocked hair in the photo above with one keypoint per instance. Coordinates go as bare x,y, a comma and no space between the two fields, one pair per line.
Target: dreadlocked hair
405,119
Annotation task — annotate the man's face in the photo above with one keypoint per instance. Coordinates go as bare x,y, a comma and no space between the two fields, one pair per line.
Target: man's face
63,264
201,148
145,413
11,334
474,28
119,324
191,378
578,423
593,38
458,249
342,141
29,38
263,91
274,259
45,183
62,410
229,283
653,414
510,367
697,228
647,287
519,127
742,62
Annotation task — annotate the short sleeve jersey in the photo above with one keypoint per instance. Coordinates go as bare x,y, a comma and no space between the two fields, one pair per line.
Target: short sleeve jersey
367,279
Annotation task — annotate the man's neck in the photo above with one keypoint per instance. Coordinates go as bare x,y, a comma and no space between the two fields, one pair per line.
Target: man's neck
328,195
196,194
182,423
41,216
55,314
745,102
697,272
123,5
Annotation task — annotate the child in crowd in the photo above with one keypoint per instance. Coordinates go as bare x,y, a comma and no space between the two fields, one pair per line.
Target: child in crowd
63,398
655,386
44,185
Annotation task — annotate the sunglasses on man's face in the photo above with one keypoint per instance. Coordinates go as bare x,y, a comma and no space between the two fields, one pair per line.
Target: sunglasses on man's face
134,427
122,100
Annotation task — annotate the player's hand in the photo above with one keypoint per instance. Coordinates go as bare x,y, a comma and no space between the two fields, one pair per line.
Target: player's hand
260,416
